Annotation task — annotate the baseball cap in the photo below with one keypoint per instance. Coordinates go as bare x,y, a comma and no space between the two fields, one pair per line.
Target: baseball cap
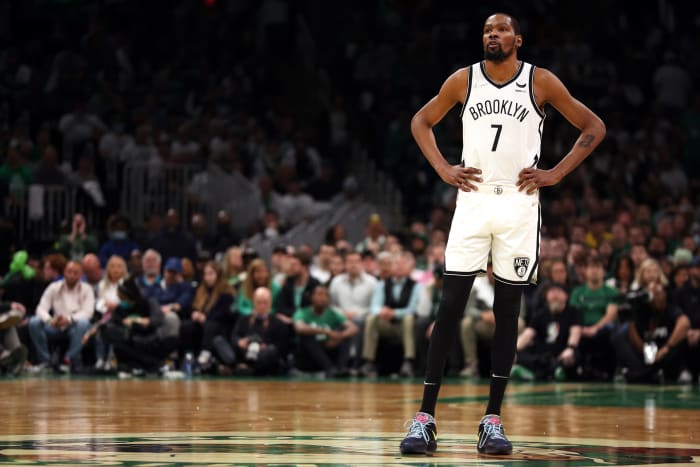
173,264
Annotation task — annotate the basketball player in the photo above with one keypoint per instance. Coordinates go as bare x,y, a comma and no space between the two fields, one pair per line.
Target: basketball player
497,206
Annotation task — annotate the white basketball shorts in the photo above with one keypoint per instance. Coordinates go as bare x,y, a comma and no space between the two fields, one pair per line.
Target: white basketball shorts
500,220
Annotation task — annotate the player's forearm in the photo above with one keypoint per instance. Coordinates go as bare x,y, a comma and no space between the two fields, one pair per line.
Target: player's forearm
591,136
679,332
422,132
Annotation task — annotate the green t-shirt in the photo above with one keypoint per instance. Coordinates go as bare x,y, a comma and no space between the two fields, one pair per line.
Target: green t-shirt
329,319
592,303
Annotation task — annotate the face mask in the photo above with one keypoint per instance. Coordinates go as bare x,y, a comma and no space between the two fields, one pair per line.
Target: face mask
270,232
125,305
118,235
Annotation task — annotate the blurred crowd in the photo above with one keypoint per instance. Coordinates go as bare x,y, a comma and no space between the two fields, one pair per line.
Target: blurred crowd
279,94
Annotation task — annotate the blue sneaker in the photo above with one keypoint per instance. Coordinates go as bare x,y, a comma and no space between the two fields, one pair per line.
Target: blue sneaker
421,437
491,437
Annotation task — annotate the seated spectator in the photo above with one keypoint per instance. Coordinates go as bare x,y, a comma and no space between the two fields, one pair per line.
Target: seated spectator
107,303
297,288
211,316
257,275
688,299
150,278
351,293
140,333
78,242
53,266
393,309
22,284
119,243
173,293
260,342
15,173
598,304
321,265
48,173
232,266
479,322
65,309
547,348
92,270
623,275
12,353
325,336
173,241
653,348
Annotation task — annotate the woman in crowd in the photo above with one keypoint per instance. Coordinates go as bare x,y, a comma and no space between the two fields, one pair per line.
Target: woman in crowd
257,275
107,302
211,315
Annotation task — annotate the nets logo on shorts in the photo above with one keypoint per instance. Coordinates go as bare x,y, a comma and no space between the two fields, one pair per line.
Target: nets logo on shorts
520,265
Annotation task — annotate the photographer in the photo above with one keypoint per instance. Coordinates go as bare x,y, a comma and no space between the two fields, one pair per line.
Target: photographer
651,350
260,341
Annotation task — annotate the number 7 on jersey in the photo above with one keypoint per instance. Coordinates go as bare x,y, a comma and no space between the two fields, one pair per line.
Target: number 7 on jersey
498,135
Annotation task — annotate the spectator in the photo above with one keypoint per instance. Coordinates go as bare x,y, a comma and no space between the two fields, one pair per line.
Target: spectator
118,228
78,242
107,303
150,279
52,268
598,306
652,350
173,293
211,316
375,235
48,173
78,127
173,241
279,263
689,301
92,271
623,276
325,336
260,341
257,275
548,347
12,353
141,334
233,266
393,309
321,266
351,293
224,236
65,309
296,291
204,242
15,173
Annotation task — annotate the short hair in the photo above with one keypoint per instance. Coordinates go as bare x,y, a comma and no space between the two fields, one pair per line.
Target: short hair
595,260
513,21
303,257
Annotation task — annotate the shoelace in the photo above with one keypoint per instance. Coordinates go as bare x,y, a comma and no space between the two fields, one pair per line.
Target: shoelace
417,430
492,430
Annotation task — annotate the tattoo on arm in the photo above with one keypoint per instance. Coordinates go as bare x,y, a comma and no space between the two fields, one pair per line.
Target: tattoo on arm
586,141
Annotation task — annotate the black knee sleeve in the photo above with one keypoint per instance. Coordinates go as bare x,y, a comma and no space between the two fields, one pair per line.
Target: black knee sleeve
506,308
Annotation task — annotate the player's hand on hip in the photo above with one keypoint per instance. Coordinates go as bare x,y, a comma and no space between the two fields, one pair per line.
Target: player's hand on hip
464,178
531,179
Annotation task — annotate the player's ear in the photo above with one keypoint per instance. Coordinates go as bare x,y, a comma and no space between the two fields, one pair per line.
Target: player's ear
519,40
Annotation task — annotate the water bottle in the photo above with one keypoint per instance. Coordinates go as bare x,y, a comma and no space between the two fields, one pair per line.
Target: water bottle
187,365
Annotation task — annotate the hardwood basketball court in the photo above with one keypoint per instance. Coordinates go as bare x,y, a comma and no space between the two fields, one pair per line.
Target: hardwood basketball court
153,422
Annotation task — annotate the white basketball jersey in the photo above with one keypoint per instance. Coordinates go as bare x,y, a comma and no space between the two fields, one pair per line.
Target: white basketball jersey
501,125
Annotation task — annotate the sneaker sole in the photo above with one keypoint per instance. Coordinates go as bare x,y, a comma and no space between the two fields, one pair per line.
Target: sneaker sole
495,452
425,452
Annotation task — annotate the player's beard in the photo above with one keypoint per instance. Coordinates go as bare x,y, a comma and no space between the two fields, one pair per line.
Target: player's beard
499,55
